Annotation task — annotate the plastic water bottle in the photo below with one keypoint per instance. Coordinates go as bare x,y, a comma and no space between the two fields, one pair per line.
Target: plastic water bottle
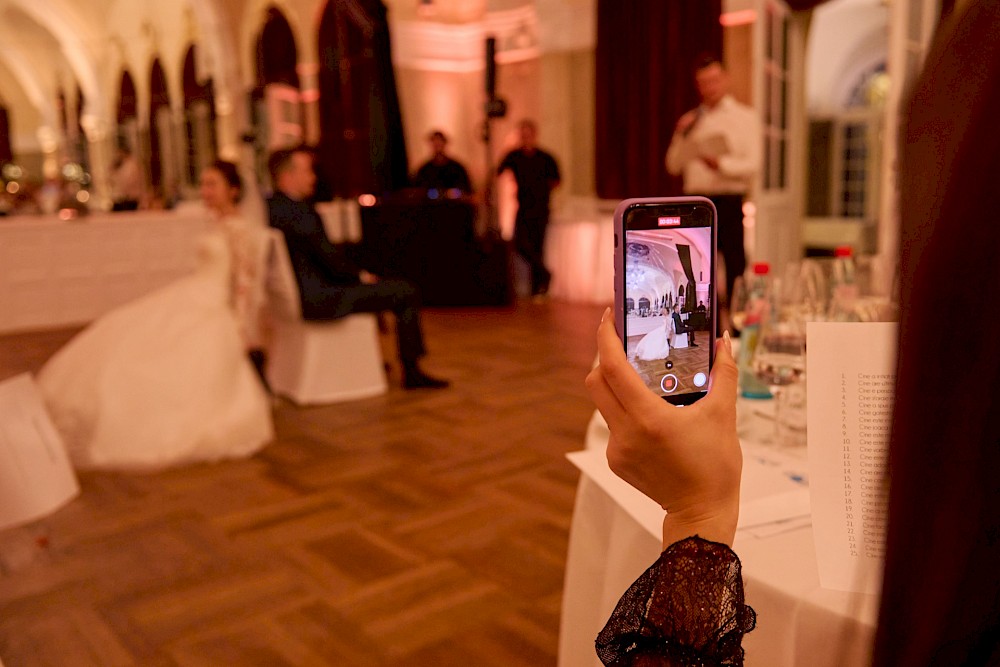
844,290
759,294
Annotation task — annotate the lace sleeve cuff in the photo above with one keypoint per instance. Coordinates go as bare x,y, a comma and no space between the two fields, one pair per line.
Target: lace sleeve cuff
686,609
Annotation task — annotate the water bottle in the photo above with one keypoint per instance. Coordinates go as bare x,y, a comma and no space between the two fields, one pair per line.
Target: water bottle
844,290
758,309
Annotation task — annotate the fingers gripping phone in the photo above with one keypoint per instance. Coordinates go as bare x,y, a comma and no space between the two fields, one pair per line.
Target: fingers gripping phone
665,304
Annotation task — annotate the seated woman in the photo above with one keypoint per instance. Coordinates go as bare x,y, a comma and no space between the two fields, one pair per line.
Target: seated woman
656,344
165,380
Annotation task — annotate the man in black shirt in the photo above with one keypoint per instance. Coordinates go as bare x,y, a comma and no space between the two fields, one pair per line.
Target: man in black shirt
442,175
330,285
537,174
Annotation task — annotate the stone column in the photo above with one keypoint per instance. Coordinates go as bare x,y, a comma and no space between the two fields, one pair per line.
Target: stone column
309,96
98,147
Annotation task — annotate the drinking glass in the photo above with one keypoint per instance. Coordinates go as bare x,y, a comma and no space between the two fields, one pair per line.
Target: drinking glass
779,359
738,302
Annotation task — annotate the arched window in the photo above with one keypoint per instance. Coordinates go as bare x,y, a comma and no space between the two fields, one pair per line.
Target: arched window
277,110
127,117
6,151
161,148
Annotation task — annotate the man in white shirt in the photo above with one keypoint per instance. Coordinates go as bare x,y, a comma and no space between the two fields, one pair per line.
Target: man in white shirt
717,149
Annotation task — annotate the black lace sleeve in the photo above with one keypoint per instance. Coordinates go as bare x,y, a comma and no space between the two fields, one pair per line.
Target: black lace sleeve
686,610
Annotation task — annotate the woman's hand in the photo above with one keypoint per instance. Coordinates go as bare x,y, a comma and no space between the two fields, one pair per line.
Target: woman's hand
686,459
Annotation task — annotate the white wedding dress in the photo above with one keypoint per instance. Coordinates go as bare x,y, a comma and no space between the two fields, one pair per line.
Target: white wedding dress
163,380
655,344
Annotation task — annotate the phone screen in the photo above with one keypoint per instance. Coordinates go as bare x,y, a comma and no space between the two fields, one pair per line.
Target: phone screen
669,293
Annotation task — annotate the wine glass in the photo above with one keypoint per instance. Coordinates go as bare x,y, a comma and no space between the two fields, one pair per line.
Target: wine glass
738,302
779,361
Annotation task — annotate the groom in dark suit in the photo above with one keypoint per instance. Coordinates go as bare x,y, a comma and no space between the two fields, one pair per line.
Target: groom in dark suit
330,285
680,327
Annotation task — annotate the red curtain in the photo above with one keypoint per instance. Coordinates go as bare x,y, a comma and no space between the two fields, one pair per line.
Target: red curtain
362,147
645,51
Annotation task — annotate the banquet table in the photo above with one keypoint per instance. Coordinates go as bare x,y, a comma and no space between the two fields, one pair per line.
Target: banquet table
56,273
615,536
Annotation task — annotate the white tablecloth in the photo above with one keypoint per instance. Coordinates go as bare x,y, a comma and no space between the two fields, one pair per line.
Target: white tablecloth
579,251
614,538
56,273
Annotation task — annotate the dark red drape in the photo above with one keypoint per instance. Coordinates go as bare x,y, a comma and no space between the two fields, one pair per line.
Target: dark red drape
362,147
645,52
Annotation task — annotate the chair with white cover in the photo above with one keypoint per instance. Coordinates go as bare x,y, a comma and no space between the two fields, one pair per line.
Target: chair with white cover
317,362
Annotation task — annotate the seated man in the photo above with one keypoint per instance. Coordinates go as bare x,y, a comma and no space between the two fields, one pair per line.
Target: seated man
330,286
680,327
442,173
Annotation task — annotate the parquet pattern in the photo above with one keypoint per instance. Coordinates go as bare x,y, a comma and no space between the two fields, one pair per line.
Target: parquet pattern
416,528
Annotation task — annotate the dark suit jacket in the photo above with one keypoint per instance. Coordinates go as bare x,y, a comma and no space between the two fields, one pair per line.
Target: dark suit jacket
321,269
679,325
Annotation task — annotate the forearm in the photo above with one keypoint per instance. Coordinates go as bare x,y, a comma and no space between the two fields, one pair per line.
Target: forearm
716,523
673,160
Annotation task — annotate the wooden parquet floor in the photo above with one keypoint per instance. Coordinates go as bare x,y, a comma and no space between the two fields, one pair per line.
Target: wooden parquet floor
416,528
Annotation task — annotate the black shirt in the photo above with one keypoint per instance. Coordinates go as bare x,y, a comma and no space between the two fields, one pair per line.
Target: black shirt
534,173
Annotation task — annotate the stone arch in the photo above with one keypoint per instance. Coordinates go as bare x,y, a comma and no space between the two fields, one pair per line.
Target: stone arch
19,68
72,38
254,17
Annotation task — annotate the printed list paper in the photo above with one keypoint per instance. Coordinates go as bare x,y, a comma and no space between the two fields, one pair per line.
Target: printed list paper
850,384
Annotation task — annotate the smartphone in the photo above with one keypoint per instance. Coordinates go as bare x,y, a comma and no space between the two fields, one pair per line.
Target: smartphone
665,302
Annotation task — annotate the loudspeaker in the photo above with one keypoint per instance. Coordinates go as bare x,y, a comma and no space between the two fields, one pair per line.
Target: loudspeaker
491,67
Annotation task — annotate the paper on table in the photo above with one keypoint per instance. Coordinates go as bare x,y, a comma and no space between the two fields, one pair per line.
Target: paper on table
35,474
850,382
769,499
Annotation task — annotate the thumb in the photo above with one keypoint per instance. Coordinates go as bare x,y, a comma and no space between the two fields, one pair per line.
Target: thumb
725,373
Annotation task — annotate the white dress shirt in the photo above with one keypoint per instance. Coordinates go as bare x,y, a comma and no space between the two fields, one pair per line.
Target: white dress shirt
730,123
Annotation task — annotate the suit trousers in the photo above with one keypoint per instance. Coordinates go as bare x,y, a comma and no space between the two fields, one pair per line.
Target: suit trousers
398,296
730,236
529,242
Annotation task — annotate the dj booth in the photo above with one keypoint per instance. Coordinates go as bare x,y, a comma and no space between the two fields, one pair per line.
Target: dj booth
433,243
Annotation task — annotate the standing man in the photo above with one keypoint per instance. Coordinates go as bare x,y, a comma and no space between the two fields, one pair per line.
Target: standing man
330,286
717,149
442,173
536,174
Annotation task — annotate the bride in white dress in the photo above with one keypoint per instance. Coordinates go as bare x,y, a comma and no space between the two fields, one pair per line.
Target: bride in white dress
165,380
656,344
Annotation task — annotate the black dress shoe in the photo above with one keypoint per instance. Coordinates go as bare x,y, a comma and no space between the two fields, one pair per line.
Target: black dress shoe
420,380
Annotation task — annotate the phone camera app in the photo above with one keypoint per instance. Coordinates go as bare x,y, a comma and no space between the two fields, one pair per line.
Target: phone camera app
667,304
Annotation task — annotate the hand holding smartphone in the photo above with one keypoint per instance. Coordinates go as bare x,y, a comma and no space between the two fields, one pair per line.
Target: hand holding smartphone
665,305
